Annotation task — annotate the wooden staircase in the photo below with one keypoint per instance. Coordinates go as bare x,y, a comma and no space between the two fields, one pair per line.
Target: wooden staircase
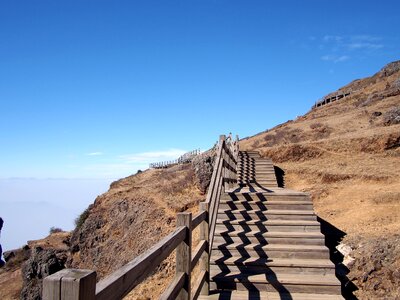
267,242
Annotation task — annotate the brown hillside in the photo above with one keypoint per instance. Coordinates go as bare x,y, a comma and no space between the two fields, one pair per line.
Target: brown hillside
347,155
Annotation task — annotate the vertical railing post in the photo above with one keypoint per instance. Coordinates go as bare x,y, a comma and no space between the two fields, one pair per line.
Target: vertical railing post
70,284
205,257
184,254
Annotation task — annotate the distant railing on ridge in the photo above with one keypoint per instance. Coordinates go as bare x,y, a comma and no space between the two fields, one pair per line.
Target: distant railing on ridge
184,159
75,284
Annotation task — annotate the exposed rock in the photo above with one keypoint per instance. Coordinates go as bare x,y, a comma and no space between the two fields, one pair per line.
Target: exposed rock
375,269
396,84
9,255
42,263
203,165
372,98
376,113
392,116
390,69
346,250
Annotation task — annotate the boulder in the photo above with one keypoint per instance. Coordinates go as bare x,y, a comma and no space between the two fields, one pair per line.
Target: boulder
392,117
203,165
42,263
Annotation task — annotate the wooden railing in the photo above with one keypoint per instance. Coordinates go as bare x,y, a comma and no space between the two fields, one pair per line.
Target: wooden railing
76,284
183,159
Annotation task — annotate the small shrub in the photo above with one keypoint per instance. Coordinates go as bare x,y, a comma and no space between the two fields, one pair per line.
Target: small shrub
316,125
55,230
331,178
81,218
320,130
283,135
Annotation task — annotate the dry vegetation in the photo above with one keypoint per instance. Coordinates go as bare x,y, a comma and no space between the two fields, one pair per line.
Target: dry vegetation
347,155
133,215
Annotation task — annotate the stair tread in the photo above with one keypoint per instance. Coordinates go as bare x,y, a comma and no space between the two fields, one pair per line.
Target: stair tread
283,234
278,192
271,222
303,279
269,211
270,247
266,202
275,262
262,295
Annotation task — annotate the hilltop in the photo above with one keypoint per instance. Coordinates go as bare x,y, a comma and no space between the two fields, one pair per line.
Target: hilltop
345,153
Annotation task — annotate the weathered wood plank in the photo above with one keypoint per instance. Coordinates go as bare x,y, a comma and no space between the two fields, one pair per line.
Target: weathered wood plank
198,218
173,290
201,247
184,254
214,175
70,284
122,281
205,258
197,287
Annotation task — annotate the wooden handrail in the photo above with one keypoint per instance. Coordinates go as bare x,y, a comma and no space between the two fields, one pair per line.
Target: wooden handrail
122,281
72,284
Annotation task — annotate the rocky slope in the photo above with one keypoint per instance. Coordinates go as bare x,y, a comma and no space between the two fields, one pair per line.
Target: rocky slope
347,155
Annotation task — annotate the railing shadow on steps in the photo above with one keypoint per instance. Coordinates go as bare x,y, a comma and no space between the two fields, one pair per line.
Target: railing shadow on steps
79,284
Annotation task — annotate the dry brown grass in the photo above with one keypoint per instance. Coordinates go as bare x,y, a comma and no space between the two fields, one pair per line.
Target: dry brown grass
348,160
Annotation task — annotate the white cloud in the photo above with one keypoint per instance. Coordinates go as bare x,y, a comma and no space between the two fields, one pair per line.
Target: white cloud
344,47
353,42
361,45
335,58
152,156
332,38
94,153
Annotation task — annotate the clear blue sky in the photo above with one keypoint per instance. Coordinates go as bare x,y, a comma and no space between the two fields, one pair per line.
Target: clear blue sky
97,89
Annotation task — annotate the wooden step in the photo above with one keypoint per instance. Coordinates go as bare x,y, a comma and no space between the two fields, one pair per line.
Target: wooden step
263,238
252,164
264,196
265,205
255,295
271,214
220,265
271,251
270,225
304,283
268,234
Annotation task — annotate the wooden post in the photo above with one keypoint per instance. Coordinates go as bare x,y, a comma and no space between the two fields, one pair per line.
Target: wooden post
184,254
205,258
70,284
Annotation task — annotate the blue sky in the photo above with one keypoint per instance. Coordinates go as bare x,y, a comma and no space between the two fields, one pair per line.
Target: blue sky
98,89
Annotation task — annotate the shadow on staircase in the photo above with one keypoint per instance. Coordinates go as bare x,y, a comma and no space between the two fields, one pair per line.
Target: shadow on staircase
257,266
333,236
280,176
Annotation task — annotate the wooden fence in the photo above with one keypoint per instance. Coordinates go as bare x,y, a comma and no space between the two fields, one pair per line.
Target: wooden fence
332,97
183,159
76,284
